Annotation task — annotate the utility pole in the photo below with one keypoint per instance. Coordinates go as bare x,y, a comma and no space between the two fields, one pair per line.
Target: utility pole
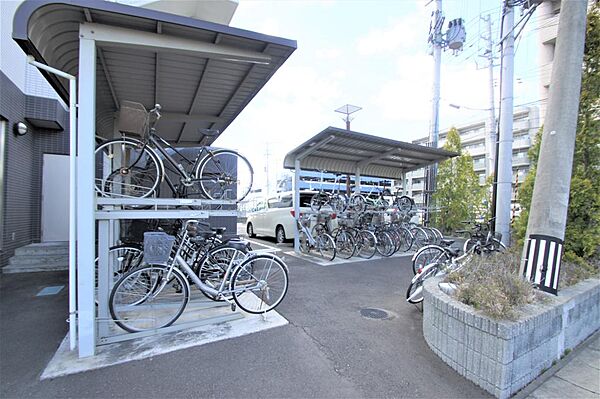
550,200
348,110
505,142
437,41
490,141
267,154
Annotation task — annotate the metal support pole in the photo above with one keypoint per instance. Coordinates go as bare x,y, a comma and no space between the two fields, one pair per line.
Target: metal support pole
504,178
86,198
357,180
72,195
437,42
297,204
490,142
550,200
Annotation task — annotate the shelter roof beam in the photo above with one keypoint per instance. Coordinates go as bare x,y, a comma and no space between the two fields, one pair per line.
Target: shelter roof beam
314,147
367,161
116,36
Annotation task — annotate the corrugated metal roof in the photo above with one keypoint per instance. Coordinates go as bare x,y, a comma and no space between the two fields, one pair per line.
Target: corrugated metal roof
342,151
196,91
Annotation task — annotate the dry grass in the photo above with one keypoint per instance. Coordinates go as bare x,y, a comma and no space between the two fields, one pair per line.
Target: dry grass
493,285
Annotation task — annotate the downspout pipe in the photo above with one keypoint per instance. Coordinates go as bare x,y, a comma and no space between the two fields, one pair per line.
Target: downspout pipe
72,195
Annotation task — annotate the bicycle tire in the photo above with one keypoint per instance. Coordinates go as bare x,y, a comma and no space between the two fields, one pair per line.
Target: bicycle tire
261,280
345,245
420,236
406,239
304,243
338,202
357,203
427,255
125,257
385,245
468,244
405,203
126,168
221,178
414,293
326,246
367,244
214,265
142,300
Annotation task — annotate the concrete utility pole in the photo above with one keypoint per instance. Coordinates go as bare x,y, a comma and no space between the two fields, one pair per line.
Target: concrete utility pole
490,141
437,42
504,177
550,201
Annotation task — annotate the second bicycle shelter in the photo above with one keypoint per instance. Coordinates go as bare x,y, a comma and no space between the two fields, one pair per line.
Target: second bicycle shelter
348,152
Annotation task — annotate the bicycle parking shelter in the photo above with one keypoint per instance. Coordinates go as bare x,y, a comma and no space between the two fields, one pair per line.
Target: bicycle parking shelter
202,73
344,151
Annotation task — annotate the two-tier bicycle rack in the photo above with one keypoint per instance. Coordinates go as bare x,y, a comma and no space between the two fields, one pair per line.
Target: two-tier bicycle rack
109,212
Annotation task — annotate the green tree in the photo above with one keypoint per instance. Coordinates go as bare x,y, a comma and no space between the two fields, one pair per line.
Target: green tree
582,236
458,193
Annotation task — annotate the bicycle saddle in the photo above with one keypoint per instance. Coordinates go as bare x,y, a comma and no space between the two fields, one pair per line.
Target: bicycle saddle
446,242
238,244
219,230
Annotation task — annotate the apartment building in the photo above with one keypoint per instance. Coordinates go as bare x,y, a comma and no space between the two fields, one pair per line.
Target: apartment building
526,123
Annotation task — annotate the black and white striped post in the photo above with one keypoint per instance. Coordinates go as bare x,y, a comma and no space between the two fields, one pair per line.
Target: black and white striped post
542,261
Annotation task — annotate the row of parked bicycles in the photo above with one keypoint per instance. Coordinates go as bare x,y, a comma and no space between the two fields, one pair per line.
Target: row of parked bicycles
152,281
362,230
435,259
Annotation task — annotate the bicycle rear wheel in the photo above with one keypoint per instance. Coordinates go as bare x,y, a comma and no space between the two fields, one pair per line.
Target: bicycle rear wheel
224,174
406,239
259,284
385,245
126,168
214,266
148,298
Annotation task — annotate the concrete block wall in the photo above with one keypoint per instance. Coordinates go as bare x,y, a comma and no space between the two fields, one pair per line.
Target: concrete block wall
503,356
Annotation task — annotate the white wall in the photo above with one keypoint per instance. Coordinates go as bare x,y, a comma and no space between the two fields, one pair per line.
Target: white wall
13,61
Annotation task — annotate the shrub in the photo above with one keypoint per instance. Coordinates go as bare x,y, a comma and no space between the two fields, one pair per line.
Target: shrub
493,285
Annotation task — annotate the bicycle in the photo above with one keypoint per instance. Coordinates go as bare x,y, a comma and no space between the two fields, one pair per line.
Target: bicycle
455,263
482,232
155,295
336,200
319,239
130,168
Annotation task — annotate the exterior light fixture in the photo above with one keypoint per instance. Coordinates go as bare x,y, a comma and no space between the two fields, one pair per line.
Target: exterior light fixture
21,129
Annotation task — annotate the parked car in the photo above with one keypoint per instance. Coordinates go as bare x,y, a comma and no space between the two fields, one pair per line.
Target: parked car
273,216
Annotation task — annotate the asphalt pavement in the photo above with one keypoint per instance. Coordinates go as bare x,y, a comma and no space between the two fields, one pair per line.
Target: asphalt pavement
330,348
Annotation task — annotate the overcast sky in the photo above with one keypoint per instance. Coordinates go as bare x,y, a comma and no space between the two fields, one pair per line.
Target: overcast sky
372,54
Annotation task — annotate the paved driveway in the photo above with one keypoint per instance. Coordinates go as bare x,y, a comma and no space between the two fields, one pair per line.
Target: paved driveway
327,350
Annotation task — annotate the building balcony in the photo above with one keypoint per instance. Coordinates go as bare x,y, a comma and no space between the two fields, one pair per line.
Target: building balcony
479,165
549,30
417,174
546,74
523,142
520,161
476,150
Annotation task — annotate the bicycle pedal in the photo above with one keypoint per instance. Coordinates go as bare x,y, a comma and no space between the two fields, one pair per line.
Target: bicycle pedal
233,307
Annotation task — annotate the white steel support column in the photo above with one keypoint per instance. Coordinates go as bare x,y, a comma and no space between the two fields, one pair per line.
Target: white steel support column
86,197
297,203
504,178
357,180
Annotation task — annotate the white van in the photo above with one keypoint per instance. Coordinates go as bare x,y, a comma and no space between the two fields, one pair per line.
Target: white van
273,217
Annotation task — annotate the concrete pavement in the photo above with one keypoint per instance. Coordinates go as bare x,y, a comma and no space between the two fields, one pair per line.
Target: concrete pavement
333,347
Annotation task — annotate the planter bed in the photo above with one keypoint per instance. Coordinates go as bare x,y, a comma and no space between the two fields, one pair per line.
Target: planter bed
504,356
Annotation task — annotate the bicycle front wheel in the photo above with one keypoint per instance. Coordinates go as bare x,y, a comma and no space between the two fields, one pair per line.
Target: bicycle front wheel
414,294
326,246
224,174
427,255
259,284
344,244
126,168
148,298
385,245
366,244
123,257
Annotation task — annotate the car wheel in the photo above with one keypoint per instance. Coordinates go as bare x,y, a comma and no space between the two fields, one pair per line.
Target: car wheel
279,235
250,230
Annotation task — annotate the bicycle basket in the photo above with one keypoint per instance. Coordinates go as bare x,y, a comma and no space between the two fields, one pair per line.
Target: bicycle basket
157,247
132,118
497,236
